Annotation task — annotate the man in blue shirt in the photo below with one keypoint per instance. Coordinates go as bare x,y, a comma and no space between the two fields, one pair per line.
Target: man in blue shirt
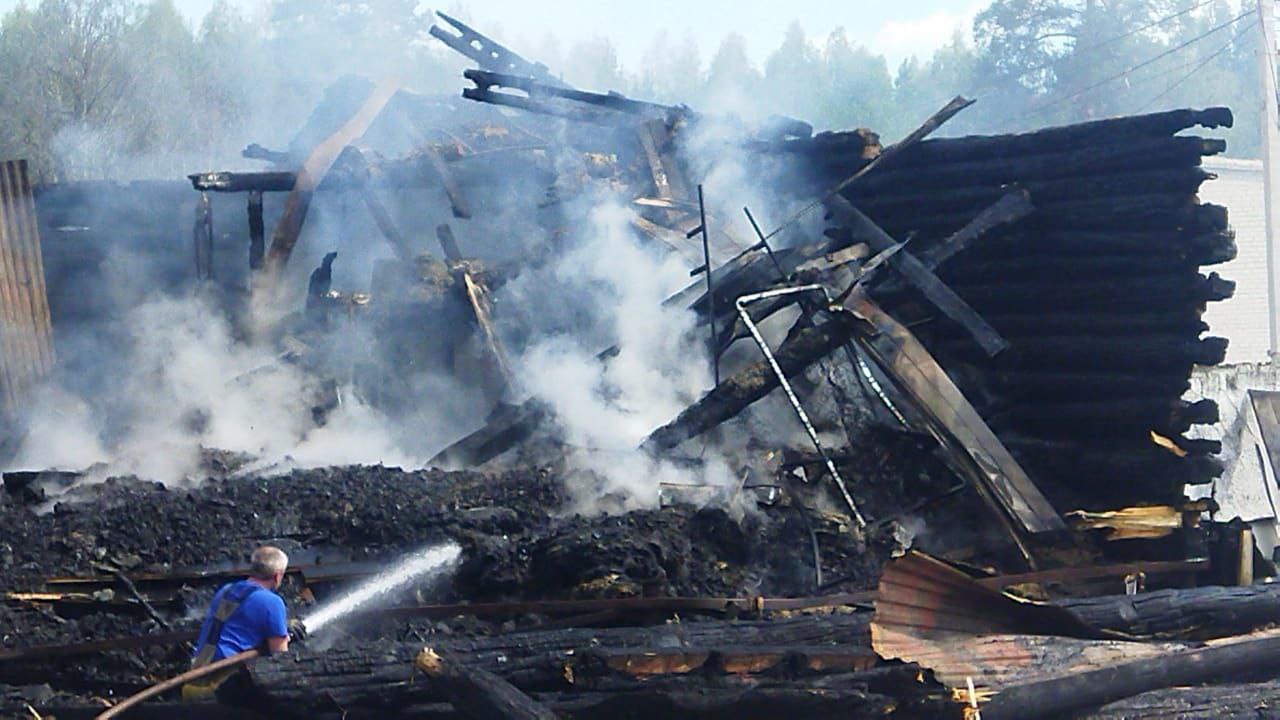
244,615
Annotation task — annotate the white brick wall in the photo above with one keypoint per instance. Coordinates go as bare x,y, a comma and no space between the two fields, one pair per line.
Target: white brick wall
1243,318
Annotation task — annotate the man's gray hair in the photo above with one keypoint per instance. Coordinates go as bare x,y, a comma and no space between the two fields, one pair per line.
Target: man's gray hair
267,561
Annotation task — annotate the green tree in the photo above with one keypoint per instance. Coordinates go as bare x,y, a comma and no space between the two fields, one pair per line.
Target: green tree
733,82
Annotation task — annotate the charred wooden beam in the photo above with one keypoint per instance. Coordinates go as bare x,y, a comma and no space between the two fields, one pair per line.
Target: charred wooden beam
374,676
1229,660
992,470
734,394
257,231
1109,131
1008,209
487,53
1199,613
477,693
506,427
916,273
1008,167
1185,291
1138,352
1177,181
1205,702
289,227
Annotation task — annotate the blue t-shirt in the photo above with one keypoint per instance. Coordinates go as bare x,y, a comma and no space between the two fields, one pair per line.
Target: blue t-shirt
261,615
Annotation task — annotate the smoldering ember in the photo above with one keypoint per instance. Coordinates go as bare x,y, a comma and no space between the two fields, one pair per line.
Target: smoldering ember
570,404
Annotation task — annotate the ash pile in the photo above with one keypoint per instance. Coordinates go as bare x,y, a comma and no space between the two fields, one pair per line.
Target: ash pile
787,432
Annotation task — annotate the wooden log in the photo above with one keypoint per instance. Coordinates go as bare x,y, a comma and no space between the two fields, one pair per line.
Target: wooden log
257,231
1134,213
202,238
1067,322
478,693
886,690
1102,417
309,682
1107,131
1200,249
1182,181
1084,384
289,227
736,393
1149,155
918,275
1008,209
1052,269
1179,292
1072,693
506,427
1194,703
1199,613
1139,352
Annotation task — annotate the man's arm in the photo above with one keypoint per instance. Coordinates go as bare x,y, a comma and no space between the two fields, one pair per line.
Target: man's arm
277,629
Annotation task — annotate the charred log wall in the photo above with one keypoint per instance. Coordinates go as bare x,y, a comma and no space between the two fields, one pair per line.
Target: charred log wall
1099,292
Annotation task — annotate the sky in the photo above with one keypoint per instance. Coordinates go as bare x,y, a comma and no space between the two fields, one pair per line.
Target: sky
896,29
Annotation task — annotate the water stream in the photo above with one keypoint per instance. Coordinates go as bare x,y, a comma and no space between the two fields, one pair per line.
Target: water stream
420,565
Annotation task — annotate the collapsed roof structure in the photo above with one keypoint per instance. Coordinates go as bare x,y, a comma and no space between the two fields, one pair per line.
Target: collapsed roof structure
986,339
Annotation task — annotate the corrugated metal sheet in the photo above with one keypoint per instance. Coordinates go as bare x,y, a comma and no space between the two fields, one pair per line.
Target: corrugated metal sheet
932,614
26,333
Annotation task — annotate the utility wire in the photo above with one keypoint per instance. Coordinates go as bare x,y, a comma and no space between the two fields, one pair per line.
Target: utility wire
1058,101
1090,48
1200,66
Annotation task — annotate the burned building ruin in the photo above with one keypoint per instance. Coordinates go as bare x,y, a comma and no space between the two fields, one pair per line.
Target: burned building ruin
926,448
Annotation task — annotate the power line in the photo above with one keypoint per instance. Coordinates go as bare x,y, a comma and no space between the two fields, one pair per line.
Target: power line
1199,67
1058,101
1090,48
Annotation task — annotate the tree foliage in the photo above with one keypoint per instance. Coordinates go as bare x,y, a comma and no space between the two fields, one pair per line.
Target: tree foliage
98,88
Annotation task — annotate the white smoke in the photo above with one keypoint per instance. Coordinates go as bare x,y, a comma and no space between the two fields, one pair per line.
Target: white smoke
607,408
185,384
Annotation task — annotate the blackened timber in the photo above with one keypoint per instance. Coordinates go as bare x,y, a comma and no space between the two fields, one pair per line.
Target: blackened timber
1181,181
1228,660
1008,209
1145,212
536,90
1133,353
916,273
736,393
1118,130
1013,327
477,693
1141,155
488,53
386,224
506,427
1106,417
1088,383
289,226
1178,292
993,471
310,682
257,231
1206,702
1208,248
1052,269
244,181
456,201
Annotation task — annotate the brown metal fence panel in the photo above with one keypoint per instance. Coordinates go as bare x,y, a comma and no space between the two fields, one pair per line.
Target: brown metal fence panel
26,332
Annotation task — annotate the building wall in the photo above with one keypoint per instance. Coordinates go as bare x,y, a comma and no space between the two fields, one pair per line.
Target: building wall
1243,318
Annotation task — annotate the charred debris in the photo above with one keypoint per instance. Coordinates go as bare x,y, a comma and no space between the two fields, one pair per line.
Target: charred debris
976,347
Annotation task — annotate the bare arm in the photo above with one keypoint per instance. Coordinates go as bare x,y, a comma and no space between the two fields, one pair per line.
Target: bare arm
278,644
